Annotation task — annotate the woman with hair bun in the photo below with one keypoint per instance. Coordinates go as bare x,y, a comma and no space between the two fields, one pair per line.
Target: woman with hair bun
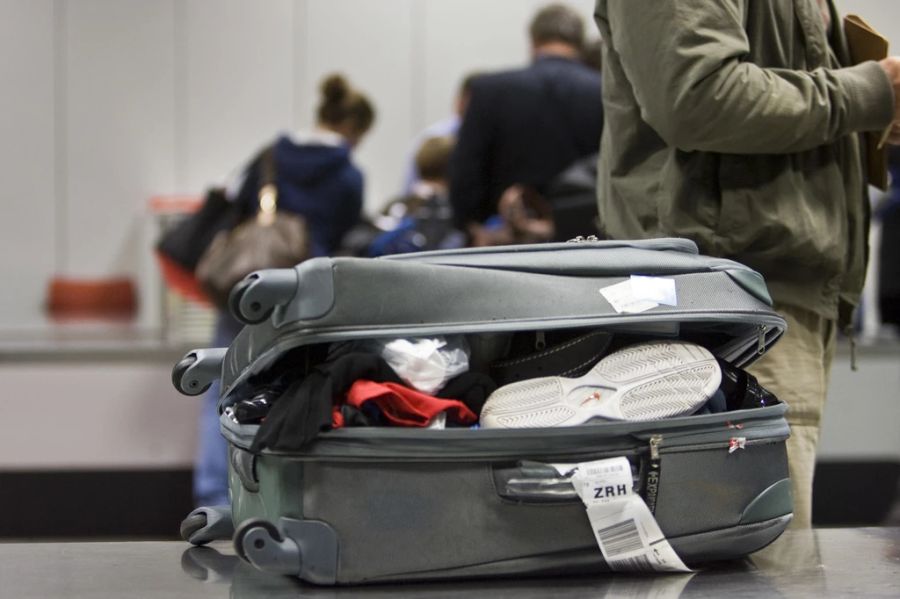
314,173
316,179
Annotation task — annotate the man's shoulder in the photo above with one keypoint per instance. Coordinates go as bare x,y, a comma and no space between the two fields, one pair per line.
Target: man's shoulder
521,83
534,68
567,68
502,84
498,79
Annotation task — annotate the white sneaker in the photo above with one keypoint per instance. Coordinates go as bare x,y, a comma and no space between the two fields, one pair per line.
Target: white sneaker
647,381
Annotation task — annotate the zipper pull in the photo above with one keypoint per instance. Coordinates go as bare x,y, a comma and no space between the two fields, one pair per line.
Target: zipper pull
582,239
651,478
761,339
655,442
540,341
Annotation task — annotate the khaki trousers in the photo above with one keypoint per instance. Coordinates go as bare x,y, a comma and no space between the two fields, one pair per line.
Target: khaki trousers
797,371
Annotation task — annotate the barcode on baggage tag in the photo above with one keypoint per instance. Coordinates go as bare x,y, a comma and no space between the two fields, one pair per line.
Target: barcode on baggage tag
640,563
606,469
620,538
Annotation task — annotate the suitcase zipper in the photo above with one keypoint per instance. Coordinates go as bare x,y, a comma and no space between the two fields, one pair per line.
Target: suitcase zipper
719,444
650,476
655,441
651,451
650,484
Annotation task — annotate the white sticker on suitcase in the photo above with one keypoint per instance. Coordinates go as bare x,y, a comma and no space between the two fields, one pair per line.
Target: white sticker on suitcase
655,289
626,531
639,294
621,297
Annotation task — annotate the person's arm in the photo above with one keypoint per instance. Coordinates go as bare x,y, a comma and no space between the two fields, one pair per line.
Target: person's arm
684,61
469,162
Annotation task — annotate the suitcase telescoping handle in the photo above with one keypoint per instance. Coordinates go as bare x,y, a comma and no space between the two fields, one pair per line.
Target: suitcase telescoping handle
198,369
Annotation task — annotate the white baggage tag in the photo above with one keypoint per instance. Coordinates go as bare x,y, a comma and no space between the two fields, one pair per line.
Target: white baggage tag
626,531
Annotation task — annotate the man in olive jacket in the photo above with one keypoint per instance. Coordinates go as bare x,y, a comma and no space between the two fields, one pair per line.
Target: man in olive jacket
733,123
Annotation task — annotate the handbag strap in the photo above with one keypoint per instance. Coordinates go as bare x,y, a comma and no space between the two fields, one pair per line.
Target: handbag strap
268,190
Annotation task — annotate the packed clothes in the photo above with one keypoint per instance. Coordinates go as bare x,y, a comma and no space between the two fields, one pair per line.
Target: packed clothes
367,383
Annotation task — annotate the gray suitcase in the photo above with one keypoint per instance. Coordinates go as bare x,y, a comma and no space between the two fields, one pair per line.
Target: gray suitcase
377,504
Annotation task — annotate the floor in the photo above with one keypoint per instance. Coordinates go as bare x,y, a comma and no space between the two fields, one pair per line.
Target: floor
862,562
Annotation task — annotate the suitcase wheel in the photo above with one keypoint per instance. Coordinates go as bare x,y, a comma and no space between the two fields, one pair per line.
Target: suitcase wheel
197,370
207,524
248,526
253,312
254,298
260,543
180,370
192,524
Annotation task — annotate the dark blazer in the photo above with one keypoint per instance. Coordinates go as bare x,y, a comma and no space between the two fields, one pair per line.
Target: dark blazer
523,126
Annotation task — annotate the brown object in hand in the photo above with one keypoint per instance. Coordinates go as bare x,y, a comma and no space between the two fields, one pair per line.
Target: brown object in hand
864,43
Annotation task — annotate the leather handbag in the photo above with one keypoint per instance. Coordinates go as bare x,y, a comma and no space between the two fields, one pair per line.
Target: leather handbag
270,239
180,248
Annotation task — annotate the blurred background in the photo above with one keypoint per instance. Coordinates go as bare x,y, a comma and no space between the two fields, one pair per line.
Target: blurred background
115,114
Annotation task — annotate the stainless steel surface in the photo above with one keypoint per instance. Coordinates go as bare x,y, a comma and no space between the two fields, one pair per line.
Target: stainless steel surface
821,563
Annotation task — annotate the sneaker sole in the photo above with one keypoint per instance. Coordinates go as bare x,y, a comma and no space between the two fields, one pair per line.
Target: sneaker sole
647,381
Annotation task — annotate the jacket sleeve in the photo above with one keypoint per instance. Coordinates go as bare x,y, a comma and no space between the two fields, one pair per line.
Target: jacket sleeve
685,62
469,164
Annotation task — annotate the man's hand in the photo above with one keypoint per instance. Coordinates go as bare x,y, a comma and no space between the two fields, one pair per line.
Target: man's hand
527,213
891,66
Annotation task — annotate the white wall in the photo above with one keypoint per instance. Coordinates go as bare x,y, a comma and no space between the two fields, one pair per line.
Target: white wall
235,84
109,102
30,220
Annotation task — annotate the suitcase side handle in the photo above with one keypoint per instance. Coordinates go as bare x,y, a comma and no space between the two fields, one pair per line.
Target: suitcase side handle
535,482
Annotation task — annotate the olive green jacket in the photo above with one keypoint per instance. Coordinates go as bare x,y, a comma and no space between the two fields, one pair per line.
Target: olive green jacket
732,122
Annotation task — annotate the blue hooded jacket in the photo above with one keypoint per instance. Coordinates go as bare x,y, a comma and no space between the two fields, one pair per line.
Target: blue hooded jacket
316,181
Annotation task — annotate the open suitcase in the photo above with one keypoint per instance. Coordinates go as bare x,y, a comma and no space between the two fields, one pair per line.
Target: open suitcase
376,504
